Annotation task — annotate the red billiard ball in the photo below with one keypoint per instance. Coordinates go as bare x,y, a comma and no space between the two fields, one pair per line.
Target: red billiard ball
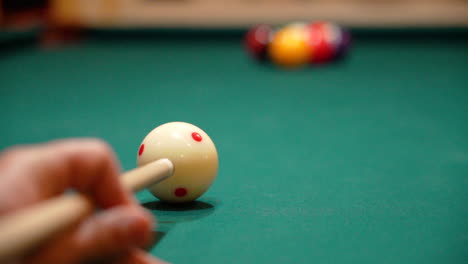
322,41
257,40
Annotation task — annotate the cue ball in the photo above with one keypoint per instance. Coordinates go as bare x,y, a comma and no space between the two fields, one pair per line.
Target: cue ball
193,154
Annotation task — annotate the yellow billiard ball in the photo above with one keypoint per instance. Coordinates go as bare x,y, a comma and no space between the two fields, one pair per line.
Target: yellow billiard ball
193,154
290,46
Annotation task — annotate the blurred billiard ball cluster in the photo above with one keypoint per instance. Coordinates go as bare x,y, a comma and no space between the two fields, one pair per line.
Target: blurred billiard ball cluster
298,44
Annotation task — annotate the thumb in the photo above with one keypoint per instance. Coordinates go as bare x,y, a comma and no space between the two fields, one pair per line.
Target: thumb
101,237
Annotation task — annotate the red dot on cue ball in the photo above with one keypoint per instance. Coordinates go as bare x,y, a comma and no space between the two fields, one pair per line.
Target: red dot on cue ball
197,137
180,192
142,148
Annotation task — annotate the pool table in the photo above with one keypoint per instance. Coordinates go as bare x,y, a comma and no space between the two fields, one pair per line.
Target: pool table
360,161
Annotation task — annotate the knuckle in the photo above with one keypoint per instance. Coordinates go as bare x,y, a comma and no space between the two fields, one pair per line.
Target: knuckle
100,147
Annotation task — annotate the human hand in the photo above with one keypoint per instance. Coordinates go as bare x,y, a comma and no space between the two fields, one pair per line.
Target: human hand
31,174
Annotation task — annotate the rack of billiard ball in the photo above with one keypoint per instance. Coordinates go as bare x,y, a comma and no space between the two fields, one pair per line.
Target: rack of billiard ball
298,44
176,161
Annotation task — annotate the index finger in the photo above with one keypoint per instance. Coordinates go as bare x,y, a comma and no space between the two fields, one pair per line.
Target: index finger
33,173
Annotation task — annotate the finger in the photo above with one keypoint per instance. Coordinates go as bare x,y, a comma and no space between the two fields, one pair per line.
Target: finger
138,256
101,237
41,171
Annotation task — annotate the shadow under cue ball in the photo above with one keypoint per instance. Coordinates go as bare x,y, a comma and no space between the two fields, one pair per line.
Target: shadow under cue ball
193,154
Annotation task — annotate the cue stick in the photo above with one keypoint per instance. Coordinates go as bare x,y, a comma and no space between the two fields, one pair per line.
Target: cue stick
22,231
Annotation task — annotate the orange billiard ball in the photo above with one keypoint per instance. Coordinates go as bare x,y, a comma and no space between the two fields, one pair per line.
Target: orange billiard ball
290,46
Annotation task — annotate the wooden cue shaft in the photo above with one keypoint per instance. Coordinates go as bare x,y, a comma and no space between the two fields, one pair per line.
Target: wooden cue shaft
23,231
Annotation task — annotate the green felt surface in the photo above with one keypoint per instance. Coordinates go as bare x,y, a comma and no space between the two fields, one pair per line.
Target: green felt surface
364,161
